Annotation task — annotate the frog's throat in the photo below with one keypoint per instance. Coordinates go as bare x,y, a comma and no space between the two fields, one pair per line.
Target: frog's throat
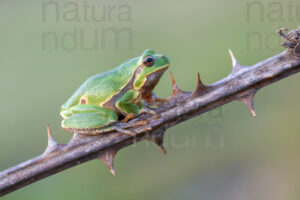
158,73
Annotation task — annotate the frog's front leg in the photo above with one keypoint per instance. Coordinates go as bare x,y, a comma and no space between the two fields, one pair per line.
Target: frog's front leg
126,104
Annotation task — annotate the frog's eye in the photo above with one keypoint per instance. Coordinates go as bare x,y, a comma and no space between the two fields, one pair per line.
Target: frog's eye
148,61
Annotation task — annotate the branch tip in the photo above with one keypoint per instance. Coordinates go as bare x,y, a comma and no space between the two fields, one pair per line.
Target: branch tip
291,40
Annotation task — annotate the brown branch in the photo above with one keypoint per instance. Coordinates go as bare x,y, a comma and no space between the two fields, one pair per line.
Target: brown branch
240,85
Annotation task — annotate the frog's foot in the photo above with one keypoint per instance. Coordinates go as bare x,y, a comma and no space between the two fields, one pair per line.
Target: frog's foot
150,111
144,110
128,117
153,100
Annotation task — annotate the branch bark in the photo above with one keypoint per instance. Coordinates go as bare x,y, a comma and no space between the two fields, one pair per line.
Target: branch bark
240,85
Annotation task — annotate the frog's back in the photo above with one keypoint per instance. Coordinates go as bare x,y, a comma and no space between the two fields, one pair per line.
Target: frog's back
101,87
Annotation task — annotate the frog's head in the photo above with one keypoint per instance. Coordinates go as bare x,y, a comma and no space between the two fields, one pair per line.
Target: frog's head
151,68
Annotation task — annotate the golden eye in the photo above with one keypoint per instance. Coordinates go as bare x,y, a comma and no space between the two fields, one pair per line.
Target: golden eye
83,101
148,61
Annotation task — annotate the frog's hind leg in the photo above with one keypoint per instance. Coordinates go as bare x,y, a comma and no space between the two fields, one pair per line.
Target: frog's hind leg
88,117
86,121
93,122
119,127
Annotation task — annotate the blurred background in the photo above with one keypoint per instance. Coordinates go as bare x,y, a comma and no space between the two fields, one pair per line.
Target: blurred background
48,48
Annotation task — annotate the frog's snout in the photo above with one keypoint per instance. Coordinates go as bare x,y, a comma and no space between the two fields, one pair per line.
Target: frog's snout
165,61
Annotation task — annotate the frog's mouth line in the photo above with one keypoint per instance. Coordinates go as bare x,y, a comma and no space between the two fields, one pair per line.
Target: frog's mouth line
166,66
158,73
163,68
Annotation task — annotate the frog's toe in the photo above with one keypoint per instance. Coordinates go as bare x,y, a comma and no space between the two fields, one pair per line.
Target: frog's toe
124,131
150,111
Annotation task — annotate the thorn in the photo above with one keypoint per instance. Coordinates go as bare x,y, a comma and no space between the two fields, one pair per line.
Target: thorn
51,141
248,99
176,90
173,80
108,159
200,86
159,143
158,140
234,61
235,64
52,144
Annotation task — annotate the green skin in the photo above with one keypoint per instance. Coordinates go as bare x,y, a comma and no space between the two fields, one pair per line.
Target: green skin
97,104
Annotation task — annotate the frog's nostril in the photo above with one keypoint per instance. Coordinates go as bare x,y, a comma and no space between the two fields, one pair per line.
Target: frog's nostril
165,58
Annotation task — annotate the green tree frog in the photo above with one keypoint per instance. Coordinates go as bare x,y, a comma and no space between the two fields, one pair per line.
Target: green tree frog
104,99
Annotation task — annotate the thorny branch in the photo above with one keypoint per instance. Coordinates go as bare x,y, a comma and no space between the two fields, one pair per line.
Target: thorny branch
240,85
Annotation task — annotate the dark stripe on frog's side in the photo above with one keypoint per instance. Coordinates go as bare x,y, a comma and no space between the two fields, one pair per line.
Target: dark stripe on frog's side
112,101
